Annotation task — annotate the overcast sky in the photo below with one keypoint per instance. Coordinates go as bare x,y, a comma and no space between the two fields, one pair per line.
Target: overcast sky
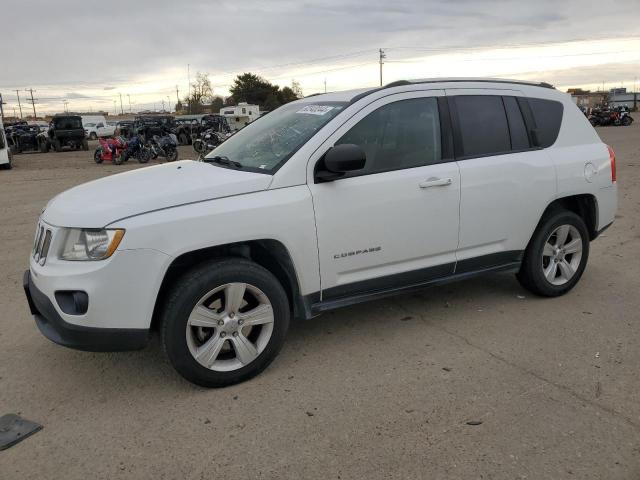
90,52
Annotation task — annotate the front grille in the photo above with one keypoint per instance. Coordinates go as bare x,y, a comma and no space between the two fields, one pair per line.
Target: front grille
41,244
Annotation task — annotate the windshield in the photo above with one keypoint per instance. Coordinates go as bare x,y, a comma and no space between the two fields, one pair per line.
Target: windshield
67,123
264,145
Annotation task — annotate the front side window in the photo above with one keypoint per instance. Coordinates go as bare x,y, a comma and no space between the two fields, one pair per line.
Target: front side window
403,134
265,144
483,125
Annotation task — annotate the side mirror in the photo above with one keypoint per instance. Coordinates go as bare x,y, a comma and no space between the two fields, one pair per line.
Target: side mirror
339,160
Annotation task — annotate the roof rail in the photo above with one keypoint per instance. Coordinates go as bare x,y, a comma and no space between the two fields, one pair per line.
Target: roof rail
400,83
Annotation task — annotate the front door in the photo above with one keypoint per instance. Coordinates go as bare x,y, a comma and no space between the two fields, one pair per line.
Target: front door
395,223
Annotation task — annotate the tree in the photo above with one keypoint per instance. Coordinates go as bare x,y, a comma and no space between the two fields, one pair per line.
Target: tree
252,88
216,104
287,95
297,89
201,93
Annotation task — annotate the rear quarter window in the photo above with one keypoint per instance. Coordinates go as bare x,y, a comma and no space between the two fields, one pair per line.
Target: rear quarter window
547,115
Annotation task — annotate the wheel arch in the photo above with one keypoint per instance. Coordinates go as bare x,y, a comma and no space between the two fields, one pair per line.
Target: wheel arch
268,253
584,205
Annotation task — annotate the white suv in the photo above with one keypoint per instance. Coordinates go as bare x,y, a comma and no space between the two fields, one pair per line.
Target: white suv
327,201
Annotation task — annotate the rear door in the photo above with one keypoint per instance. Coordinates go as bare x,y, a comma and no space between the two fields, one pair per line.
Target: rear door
505,182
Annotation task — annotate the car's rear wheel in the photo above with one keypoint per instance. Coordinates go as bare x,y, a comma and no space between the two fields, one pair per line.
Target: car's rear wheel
556,255
224,322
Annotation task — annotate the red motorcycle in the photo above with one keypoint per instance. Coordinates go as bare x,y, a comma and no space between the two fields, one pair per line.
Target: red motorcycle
110,150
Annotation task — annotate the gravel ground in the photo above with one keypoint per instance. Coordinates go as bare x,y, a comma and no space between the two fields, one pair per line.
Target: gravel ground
381,390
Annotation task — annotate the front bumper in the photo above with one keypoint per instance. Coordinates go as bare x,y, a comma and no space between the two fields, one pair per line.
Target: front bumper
92,339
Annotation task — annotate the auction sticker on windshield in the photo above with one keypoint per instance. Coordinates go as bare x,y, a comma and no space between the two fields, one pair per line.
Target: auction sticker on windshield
316,109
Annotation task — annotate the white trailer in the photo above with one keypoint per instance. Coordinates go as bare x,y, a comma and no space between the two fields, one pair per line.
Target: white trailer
240,115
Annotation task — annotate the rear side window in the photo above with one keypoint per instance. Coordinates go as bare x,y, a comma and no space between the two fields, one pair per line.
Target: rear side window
548,117
399,135
483,125
517,127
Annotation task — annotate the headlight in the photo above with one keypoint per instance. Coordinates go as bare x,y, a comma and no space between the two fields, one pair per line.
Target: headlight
82,244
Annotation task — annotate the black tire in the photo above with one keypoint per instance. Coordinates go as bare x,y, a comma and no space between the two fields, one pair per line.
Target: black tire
185,295
144,156
57,146
44,146
183,139
172,156
85,145
93,136
125,156
594,122
531,274
626,121
97,155
117,159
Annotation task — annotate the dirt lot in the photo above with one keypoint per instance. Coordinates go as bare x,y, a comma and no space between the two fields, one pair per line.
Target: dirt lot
374,391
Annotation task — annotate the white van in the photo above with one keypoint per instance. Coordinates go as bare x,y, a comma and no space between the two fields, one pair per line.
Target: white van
5,153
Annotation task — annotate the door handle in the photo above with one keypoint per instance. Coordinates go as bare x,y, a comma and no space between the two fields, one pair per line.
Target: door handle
435,182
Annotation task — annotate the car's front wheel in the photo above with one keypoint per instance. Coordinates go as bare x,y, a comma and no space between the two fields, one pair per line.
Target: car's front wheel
224,322
556,255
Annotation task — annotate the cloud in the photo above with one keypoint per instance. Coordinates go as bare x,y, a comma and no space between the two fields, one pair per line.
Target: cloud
63,50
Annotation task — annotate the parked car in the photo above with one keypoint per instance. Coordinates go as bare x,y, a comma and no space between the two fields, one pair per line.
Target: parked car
94,131
5,151
328,201
64,131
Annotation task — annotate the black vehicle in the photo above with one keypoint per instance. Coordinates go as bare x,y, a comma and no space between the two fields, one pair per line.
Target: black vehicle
137,149
186,129
23,138
64,131
150,125
164,146
126,128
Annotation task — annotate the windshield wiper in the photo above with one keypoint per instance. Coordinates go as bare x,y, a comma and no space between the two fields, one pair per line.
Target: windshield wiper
222,160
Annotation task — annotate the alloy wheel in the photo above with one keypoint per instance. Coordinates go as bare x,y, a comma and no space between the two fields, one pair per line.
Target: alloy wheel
230,327
562,254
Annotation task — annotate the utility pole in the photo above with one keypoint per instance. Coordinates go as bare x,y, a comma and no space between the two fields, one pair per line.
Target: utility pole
2,109
121,109
177,96
33,103
19,104
65,103
169,103
189,87
382,57
129,97
163,105
325,85
115,108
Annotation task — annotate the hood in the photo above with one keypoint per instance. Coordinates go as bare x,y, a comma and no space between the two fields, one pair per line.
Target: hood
101,202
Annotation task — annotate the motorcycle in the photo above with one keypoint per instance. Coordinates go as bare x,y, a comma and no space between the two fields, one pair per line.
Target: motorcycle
207,142
165,146
137,149
110,150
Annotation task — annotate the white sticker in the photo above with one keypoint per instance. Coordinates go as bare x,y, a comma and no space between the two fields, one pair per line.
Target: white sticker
315,109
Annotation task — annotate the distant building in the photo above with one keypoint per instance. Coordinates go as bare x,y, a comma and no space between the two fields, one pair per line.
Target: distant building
614,98
587,99
620,97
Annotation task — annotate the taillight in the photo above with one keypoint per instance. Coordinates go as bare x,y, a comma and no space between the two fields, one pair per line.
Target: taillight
612,159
